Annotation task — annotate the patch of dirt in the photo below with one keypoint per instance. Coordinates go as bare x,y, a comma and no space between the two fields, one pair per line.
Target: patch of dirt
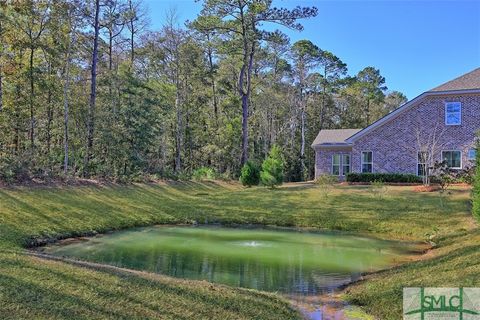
329,306
431,188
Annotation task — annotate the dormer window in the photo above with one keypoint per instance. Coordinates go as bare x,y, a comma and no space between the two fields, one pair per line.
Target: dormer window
453,113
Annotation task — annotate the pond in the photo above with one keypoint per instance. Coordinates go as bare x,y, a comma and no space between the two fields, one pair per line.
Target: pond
284,261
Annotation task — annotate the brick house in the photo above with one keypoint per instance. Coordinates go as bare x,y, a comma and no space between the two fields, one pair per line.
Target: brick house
438,125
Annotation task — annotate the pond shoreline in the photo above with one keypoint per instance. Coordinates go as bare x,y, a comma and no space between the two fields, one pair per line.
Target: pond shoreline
312,307
39,216
329,305
38,242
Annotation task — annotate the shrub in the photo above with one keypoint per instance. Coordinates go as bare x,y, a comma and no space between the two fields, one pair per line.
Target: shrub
14,169
379,189
467,175
325,183
250,175
203,173
225,176
272,168
443,175
383,177
476,187
326,179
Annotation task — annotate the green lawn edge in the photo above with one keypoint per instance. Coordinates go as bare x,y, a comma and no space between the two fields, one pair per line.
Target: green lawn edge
34,215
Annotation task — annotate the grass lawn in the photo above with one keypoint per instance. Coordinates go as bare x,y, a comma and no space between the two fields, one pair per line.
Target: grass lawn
31,287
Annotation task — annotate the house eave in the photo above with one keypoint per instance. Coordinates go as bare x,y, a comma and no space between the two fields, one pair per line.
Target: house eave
331,146
405,107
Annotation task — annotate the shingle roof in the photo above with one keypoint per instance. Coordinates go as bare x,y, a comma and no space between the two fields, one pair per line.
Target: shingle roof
335,136
468,81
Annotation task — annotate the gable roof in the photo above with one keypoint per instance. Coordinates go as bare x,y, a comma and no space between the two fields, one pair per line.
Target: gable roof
333,137
467,83
470,80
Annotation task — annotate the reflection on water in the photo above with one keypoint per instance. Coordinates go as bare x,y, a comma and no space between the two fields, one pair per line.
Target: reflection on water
252,244
295,263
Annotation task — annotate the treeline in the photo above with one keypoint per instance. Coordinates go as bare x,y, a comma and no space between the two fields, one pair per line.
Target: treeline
87,89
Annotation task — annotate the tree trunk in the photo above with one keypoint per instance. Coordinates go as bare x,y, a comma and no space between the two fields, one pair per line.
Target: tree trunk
324,93
244,129
244,84
113,79
32,93
110,49
368,113
302,144
212,78
66,106
16,139
132,33
49,120
178,134
93,93
303,106
245,95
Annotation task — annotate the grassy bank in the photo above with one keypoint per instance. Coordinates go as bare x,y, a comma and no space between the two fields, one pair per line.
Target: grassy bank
49,289
456,263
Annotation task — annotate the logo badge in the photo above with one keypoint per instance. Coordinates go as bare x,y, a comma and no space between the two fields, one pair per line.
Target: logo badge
441,303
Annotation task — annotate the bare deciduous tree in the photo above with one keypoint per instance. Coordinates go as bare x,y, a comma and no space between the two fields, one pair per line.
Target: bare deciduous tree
429,143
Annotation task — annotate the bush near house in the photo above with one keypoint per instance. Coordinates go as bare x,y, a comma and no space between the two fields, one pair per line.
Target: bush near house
383,177
476,187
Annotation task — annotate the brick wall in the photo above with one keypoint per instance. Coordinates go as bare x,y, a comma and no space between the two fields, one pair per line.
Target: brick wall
394,144
323,159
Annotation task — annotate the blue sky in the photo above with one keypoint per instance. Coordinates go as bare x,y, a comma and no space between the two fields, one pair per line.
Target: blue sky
417,45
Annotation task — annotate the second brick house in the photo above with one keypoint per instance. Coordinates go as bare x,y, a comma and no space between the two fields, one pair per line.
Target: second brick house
438,125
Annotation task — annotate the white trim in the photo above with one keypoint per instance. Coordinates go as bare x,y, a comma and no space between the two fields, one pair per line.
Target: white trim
342,173
419,163
362,163
333,146
474,156
339,164
405,107
461,158
446,113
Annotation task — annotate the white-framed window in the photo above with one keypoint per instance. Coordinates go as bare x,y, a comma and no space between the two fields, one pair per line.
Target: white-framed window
367,162
453,113
453,158
345,164
472,154
336,165
422,158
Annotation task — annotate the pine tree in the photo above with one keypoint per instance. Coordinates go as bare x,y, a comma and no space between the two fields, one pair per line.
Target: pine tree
250,175
272,168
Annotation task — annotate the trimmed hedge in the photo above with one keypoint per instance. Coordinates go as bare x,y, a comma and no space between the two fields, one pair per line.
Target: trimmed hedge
383,177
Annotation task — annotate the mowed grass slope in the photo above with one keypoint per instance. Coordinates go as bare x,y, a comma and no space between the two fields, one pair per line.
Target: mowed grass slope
33,288
51,289
456,263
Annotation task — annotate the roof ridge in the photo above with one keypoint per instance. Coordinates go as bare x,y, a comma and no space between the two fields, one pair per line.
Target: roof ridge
334,136
341,129
469,80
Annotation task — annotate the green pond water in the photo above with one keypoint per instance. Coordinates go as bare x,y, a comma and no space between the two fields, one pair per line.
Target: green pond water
289,262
